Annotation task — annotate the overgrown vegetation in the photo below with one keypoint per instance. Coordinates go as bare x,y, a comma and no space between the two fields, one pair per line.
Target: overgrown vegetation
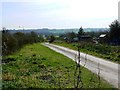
13,42
107,46
51,38
108,52
115,32
36,66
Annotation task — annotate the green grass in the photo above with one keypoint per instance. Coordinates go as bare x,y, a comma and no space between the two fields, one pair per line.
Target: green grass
36,66
111,53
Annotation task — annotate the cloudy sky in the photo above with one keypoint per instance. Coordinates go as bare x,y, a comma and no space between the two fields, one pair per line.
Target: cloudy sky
58,13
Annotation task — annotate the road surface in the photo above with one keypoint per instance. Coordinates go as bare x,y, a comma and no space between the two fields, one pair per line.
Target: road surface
108,70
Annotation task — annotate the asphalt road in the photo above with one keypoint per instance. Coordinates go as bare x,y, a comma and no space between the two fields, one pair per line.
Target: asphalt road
108,70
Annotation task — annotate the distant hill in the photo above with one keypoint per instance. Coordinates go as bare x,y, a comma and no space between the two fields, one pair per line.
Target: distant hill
57,31
38,31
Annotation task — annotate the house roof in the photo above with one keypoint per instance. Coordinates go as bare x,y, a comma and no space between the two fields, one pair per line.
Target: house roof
85,36
102,35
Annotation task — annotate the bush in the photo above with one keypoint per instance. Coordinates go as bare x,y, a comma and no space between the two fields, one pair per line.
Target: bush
52,39
7,60
13,42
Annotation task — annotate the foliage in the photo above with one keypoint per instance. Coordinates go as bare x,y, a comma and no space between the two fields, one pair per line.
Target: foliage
36,66
80,32
103,51
13,42
70,36
115,32
52,38
9,43
115,29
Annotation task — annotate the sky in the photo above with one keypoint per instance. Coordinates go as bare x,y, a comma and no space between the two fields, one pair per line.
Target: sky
58,14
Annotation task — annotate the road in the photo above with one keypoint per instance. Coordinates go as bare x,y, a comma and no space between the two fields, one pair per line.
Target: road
108,70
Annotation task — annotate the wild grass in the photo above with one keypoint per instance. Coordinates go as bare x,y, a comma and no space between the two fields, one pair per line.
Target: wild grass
108,52
36,66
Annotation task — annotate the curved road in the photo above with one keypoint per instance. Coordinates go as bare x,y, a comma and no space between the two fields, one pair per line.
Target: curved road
108,70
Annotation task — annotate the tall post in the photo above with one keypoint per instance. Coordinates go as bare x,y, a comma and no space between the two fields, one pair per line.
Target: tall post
119,65
119,11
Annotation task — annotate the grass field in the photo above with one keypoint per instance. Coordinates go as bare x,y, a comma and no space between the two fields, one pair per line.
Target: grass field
111,53
36,66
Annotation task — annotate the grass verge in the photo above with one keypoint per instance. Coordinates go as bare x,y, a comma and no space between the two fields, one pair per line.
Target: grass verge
111,53
36,66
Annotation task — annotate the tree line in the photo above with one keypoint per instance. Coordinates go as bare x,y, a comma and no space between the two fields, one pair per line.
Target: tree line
112,35
13,42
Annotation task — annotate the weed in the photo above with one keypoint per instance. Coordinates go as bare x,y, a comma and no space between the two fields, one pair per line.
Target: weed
103,51
7,60
45,69
8,77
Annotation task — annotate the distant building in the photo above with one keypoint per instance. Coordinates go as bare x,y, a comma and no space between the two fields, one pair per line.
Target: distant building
75,39
57,36
44,36
87,38
102,38
102,35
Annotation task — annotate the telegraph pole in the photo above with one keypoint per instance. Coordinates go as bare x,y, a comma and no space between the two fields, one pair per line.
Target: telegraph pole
119,11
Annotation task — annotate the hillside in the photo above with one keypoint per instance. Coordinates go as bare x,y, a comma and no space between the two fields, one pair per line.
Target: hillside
36,66
57,31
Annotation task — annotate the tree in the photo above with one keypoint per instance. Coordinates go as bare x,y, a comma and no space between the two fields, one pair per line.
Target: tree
9,43
115,32
34,37
40,38
70,36
20,38
13,42
51,39
115,29
80,32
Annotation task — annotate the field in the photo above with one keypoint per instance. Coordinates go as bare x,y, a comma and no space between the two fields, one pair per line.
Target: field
111,53
36,66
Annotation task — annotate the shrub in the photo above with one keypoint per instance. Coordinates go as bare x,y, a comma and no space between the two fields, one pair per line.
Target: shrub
7,60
